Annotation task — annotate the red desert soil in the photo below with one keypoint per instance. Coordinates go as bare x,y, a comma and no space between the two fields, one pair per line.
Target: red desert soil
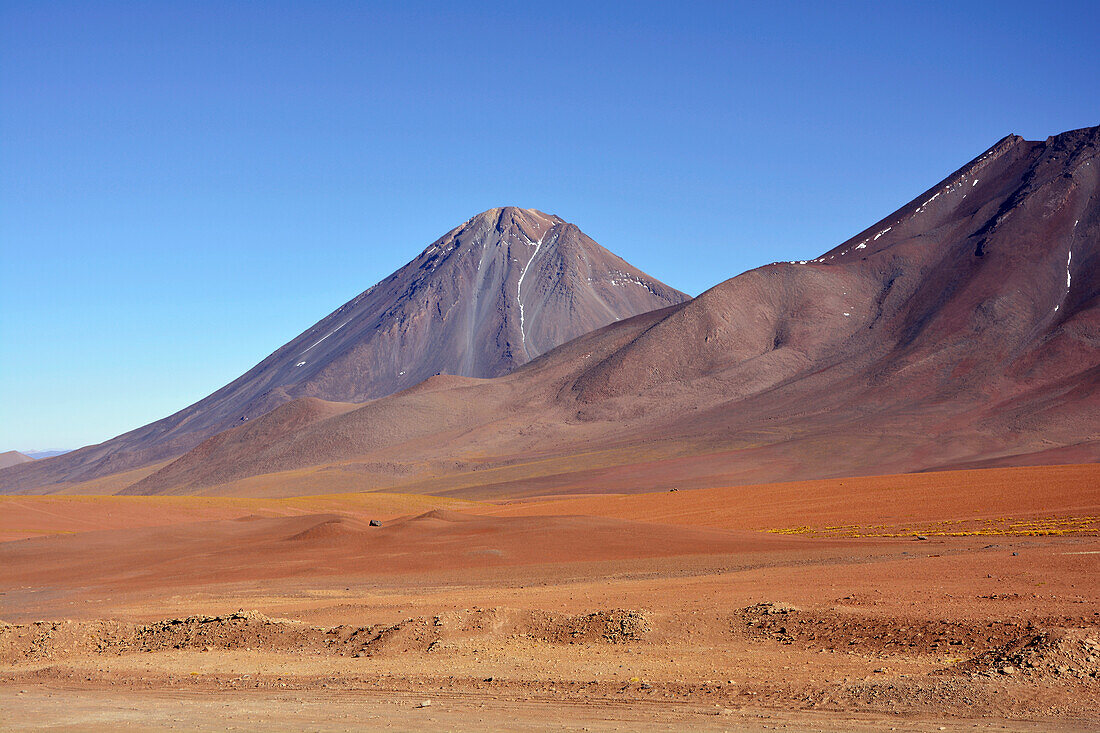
22,517
986,500
254,548
653,611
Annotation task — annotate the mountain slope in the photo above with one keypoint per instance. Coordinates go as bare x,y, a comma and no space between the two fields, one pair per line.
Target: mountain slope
488,296
963,329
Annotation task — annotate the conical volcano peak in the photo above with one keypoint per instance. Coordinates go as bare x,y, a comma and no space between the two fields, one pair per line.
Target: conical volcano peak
500,289
494,226
528,268
513,215
493,293
530,224
503,218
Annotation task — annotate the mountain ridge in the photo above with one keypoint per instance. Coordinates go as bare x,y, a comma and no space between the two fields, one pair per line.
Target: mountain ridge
959,337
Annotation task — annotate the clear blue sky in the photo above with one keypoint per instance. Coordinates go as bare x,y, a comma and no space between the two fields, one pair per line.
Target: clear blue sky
186,186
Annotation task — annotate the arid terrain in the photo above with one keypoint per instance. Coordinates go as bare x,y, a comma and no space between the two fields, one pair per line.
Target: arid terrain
961,331
855,492
967,600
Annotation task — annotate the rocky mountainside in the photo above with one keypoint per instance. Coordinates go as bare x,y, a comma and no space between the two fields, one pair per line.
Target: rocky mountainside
488,296
961,330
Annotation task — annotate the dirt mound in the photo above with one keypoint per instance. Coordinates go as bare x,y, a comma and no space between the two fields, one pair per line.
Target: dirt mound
443,515
1067,653
602,627
52,640
48,640
841,631
963,647
496,624
241,630
329,529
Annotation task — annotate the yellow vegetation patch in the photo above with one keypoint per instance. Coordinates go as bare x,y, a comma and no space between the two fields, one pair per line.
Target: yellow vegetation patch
997,527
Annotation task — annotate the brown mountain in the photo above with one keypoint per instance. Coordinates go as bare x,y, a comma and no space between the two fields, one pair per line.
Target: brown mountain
961,330
488,296
13,458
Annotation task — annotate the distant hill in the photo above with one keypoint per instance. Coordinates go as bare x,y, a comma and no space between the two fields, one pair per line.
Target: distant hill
13,458
40,454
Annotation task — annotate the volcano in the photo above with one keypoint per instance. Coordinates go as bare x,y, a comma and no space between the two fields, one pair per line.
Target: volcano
963,330
490,295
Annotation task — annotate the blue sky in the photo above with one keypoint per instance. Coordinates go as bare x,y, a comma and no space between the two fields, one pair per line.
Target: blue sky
186,186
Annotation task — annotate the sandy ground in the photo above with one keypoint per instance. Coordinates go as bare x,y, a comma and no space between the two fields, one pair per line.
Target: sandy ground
209,614
363,710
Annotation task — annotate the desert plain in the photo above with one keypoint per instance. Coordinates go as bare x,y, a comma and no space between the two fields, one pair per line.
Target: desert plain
955,600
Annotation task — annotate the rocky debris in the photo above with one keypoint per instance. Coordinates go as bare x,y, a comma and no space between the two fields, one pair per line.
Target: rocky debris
1064,653
914,696
251,630
769,608
841,631
429,634
44,640
1007,650
611,627
242,629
